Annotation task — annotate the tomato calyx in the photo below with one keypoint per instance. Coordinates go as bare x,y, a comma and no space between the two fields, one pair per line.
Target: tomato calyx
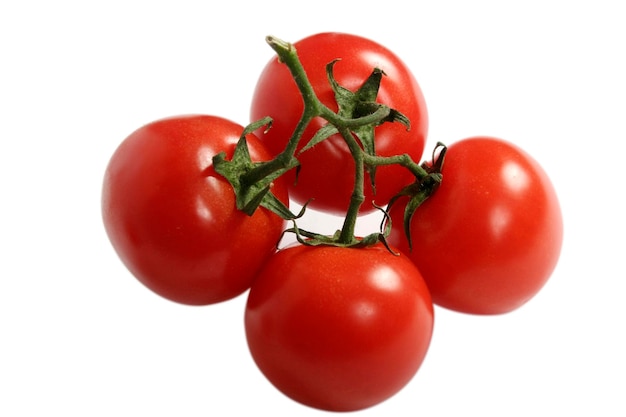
356,106
421,189
255,192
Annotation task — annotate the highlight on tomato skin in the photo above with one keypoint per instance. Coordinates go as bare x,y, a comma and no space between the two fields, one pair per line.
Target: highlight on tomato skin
326,177
339,329
173,220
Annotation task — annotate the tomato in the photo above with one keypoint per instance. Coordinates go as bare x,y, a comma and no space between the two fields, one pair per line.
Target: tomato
338,329
327,170
172,219
490,236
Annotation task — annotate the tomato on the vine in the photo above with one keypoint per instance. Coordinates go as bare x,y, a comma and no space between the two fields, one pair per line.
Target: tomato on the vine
173,220
338,329
327,170
490,236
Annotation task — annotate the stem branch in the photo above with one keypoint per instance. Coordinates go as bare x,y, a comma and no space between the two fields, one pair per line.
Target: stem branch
358,196
403,160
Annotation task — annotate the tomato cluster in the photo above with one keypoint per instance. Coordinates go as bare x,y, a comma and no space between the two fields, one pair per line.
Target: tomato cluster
195,206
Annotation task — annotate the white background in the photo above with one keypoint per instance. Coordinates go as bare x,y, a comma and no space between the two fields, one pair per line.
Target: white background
81,337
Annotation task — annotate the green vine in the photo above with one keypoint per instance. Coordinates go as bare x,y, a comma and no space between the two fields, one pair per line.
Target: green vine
356,119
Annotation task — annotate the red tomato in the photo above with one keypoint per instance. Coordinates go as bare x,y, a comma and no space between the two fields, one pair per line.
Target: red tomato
173,220
490,236
327,173
339,329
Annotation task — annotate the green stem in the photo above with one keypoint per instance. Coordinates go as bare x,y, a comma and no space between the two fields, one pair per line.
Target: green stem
313,108
284,159
403,160
288,55
371,119
349,224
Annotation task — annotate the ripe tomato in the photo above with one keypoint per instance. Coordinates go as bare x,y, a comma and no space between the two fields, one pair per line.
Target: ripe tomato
327,170
173,220
338,329
490,236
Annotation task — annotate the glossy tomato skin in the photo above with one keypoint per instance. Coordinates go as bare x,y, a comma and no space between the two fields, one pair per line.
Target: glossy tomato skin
172,219
338,329
490,237
327,173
